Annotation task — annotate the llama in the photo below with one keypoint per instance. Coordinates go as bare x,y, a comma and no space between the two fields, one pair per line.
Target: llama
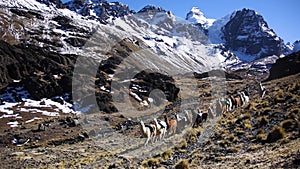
161,127
245,97
201,117
226,105
238,101
148,131
220,108
181,121
189,117
261,90
172,125
210,112
234,102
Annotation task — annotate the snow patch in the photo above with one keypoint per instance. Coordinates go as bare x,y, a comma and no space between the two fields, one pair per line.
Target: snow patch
215,33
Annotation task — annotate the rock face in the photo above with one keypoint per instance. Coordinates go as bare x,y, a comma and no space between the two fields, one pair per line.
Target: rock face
244,33
286,66
295,47
41,40
151,8
44,73
99,9
248,33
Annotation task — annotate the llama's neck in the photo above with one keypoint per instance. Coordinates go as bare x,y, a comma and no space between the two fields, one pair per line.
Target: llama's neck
166,119
143,128
156,123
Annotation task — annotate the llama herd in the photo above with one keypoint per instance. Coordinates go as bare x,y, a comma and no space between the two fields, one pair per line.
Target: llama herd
157,129
171,124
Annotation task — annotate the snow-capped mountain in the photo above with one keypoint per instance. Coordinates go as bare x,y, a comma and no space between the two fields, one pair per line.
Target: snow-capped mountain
197,17
295,47
244,32
248,33
99,9
41,40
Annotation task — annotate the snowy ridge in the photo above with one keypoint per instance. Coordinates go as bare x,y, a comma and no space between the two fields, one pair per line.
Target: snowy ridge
27,4
295,47
100,10
196,16
176,41
215,33
178,44
49,28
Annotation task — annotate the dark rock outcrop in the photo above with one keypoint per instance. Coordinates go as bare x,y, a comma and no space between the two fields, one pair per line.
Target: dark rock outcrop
285,66
247,32
99,9
44,73
151,8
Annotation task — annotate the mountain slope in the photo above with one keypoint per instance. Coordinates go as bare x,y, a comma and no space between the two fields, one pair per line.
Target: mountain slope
245,33
113,66
100,10
285,66
248,33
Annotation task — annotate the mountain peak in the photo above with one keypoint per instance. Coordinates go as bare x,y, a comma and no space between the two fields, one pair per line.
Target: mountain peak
197,17
151,8
246,27
57,3
99,9
197,11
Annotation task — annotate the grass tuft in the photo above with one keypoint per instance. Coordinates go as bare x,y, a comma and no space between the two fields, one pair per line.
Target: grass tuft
262,121
254,147
275,134
167,154
288,124
261,136
247,124
151,162
182,164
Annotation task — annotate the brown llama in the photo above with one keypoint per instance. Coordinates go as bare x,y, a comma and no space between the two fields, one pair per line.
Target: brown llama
238,101
233,102
172,125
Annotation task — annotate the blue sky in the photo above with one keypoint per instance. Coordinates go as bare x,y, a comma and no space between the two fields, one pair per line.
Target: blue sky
282,16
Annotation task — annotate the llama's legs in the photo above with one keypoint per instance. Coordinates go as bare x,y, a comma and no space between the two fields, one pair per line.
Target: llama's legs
146,142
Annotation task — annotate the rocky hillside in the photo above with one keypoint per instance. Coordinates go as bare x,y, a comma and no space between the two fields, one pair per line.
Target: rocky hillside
100,10
286,66
244,32
77,78
43,73
263,133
